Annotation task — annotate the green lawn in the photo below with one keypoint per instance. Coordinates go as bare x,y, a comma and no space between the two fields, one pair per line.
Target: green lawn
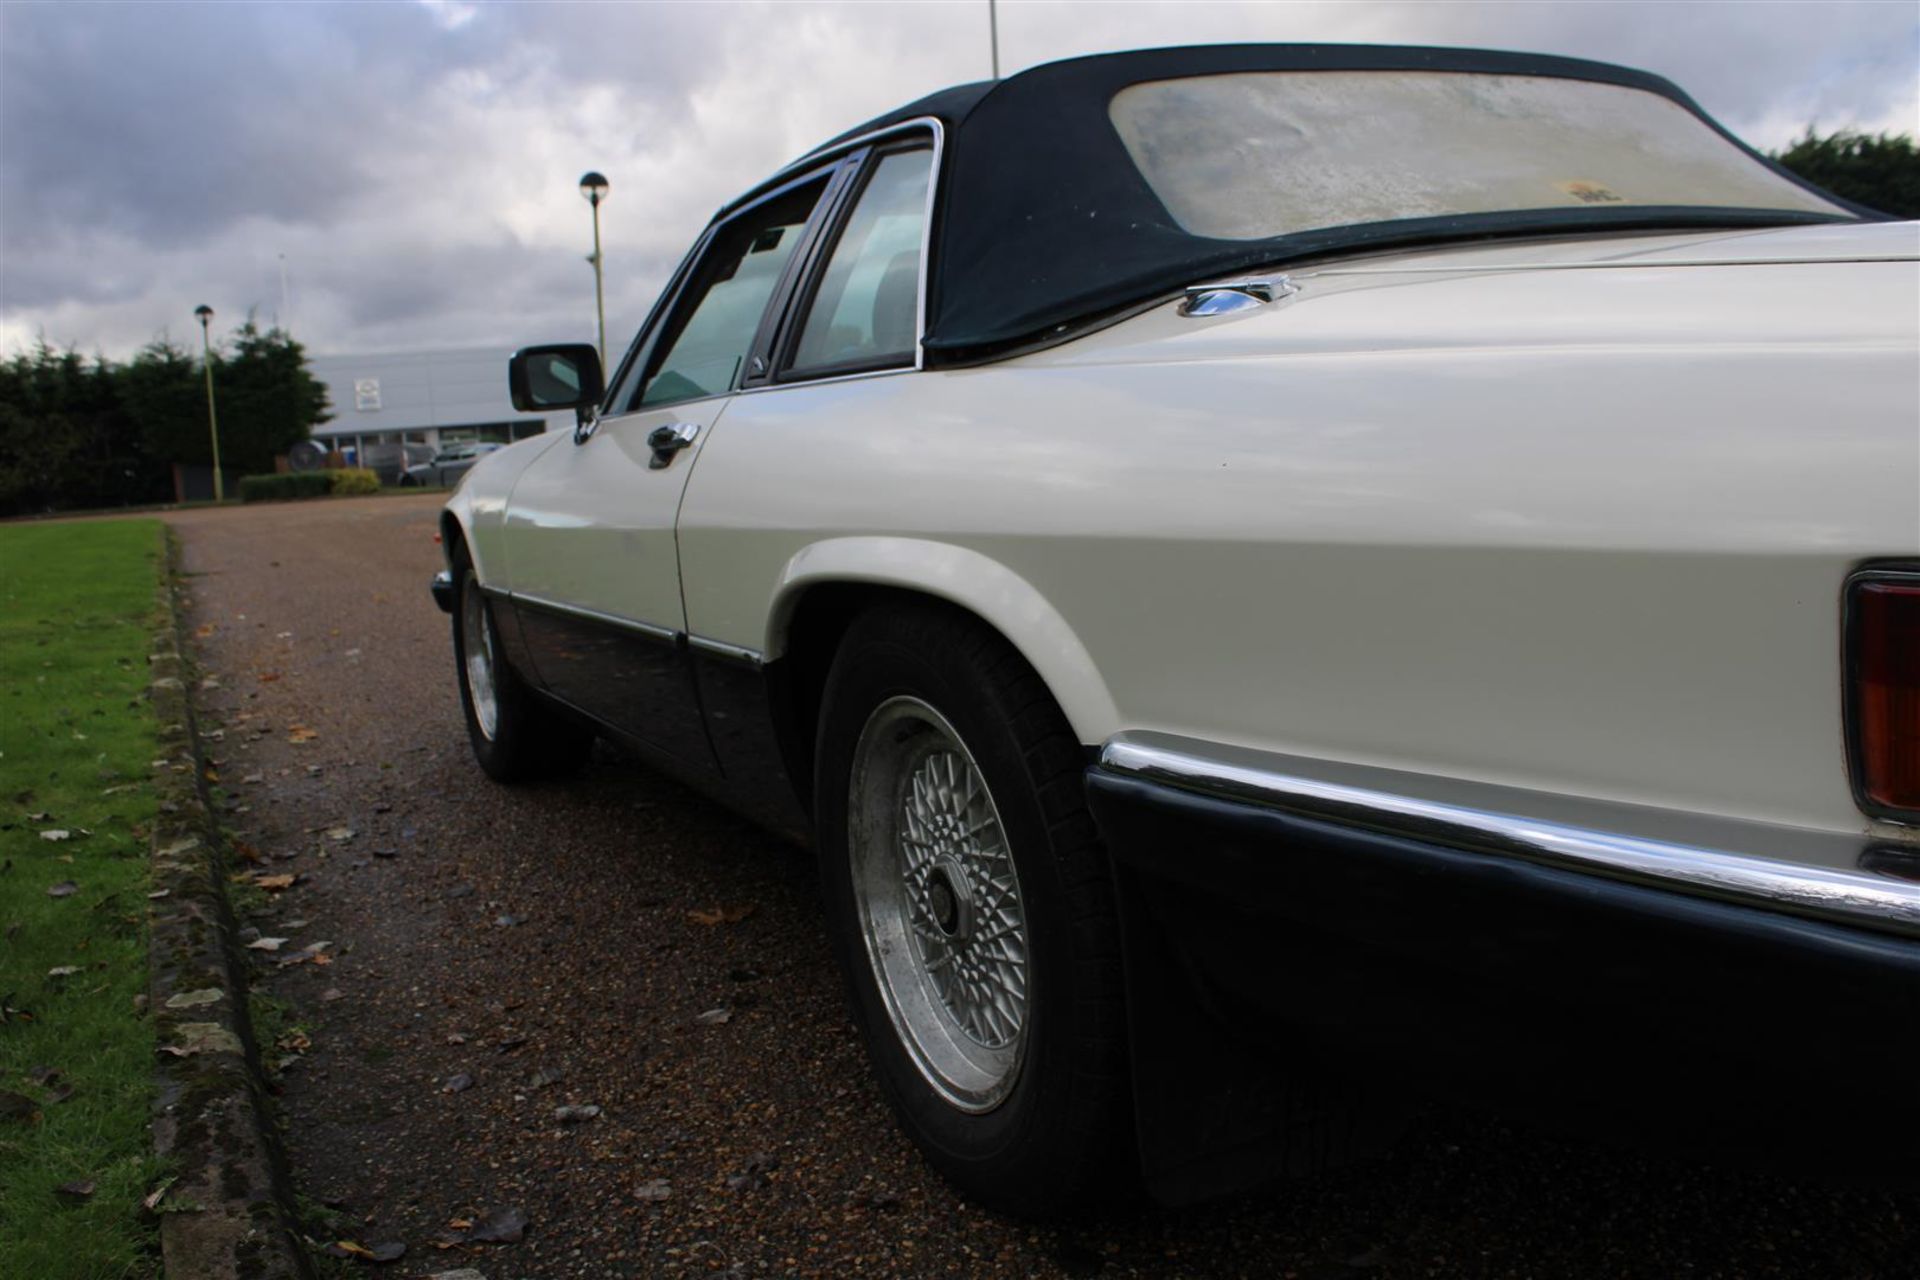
77,741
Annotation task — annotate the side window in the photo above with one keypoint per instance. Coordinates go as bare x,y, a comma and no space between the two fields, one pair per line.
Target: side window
865,311
699,353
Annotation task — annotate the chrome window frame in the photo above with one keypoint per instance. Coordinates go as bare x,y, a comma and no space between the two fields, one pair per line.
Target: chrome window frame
640,354
806,292
843,150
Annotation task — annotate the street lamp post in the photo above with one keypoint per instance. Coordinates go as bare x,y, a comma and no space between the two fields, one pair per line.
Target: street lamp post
593,185
205,313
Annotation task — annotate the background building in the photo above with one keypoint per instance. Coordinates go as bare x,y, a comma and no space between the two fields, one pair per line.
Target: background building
431,398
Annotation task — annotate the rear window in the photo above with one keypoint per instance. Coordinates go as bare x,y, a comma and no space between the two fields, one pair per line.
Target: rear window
1260,154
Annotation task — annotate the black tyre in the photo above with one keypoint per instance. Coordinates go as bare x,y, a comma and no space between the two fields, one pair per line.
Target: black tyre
516,737
972,909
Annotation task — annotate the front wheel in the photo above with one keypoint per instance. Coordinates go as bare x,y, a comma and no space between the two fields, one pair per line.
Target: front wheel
972,909
515,736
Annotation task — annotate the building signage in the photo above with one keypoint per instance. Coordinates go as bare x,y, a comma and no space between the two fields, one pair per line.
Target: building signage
366,394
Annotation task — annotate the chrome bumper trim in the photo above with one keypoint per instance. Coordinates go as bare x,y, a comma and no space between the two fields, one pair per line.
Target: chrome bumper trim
1856,897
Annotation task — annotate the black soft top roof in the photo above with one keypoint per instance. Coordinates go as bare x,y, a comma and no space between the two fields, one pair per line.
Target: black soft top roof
1043,221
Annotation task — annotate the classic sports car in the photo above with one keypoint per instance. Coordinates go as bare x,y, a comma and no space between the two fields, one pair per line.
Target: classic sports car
1273,578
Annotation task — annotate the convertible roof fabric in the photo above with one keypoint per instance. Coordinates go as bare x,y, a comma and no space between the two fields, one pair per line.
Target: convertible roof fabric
1043,220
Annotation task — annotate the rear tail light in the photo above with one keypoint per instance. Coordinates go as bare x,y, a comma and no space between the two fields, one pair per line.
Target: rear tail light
1883,692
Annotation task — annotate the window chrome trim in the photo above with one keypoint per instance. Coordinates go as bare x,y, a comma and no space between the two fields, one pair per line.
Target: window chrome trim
1860,897
818,156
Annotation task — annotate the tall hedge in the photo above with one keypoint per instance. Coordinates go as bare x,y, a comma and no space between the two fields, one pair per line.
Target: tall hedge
78,432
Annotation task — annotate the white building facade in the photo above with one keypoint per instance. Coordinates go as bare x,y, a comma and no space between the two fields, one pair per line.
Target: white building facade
422,398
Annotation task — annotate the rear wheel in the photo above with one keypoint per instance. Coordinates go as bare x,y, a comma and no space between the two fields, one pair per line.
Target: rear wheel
515,736
972,909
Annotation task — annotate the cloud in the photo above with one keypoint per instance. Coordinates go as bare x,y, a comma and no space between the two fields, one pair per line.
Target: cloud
416,164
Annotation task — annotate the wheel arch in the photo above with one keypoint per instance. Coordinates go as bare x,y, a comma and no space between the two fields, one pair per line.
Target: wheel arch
826,585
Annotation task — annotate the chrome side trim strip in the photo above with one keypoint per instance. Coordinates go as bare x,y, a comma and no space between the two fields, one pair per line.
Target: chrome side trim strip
1607,264
731,652
666,635
1855,897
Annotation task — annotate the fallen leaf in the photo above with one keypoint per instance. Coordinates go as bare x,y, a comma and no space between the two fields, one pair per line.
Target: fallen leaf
347,1249
205,629
40,817
56,833
65,889
715,1017
247,852
266,944
158,894
151,1200
63,971
253,778
274,884
341,833
300,733
722,914
78,1192
268,677
502,1226
295,1041
17,1106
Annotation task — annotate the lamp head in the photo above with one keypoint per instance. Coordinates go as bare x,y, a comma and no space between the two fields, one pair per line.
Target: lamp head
204,313
593,185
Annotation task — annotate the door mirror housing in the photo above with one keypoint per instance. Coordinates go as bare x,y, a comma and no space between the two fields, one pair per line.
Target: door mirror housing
562,375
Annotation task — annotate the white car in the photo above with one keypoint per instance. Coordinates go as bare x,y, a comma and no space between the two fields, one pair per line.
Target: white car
1274,578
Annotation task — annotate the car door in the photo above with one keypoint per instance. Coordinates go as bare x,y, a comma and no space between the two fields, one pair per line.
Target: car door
595,576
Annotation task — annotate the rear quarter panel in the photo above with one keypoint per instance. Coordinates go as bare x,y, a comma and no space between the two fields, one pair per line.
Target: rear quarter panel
1583,532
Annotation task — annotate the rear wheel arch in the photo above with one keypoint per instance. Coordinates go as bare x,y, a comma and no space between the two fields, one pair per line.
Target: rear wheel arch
816,606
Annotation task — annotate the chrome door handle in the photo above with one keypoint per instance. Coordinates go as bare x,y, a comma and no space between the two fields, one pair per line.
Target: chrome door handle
668,441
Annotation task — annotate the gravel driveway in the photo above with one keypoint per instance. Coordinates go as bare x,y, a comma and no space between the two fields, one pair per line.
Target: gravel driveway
617,942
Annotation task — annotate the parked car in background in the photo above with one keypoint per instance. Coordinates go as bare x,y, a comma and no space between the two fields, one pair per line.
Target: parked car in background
389,462
1274,579
447,466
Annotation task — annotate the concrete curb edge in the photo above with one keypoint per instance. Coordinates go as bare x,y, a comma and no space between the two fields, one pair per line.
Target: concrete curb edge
232,1205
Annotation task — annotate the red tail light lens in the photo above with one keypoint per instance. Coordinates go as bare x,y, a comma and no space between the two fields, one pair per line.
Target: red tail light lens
1884,694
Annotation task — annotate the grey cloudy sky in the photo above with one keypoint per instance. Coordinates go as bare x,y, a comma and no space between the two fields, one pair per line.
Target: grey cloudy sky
416,162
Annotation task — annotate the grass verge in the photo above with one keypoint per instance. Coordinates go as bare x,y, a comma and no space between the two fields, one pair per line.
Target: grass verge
77,741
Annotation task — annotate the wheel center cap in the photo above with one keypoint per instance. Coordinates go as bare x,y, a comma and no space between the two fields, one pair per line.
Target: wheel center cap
947,900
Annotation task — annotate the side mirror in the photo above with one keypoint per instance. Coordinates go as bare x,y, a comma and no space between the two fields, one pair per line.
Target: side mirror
562,376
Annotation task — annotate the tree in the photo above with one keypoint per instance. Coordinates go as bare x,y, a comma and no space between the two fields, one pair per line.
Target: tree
266,393
263,394
66,438
166,396
1880,171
